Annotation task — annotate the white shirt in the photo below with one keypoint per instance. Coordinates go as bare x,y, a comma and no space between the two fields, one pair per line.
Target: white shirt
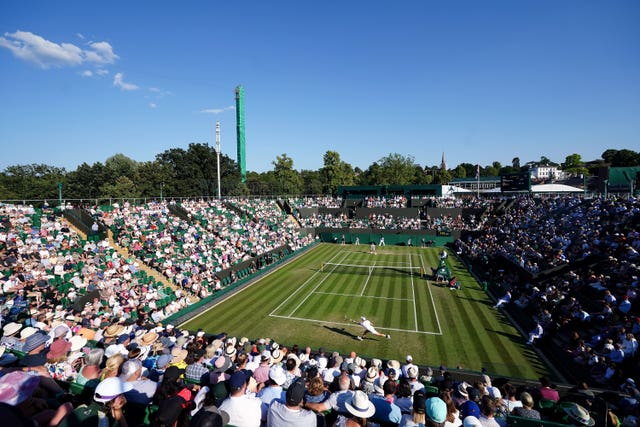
244,411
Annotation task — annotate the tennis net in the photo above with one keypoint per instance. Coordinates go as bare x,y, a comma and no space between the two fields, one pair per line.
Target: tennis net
333,267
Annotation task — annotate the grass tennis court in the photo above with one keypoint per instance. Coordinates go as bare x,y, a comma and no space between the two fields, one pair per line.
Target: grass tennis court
315,299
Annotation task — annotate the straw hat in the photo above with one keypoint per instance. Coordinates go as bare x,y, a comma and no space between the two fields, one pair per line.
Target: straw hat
113,331
148,338
277,355
393,364
372,374
579,414
89,334
178,355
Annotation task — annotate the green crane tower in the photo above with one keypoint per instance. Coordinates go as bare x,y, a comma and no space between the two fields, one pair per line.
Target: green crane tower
240,132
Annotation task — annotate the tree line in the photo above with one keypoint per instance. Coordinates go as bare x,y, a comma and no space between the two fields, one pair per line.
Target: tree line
192,172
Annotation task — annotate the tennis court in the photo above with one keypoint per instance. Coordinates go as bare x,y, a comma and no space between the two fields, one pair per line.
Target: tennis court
312,301
355,283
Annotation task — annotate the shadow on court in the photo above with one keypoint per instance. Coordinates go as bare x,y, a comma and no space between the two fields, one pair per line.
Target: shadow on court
513,337
340,331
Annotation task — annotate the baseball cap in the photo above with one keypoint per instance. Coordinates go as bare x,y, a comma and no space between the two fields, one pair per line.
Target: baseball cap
436,409
295,393
238,379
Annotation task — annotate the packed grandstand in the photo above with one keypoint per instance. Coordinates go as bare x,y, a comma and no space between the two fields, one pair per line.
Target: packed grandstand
87,290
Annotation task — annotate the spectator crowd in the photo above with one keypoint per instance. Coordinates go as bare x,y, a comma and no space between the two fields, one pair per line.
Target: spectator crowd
83,338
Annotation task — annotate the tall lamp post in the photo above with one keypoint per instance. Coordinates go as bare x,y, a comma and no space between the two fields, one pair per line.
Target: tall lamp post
218,155
60,194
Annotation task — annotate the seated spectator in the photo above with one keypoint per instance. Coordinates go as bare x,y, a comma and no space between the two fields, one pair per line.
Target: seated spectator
359,409
488,413
576,415
108,400
273,390
19,389
546,391
141,390
526,410
290,412
89,374
243,409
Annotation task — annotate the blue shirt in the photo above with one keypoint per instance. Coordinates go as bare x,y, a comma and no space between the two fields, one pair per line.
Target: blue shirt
268,395
385,411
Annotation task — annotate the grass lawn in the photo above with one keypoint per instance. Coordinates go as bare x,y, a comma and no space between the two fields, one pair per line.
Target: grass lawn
315,299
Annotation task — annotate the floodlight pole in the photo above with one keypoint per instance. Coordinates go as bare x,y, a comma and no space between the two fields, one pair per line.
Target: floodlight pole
218,155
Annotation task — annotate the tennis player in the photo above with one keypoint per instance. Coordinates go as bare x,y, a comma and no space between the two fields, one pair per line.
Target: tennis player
372,248
368,328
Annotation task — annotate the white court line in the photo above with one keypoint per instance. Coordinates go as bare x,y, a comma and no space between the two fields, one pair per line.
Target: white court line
433,303
311,292
363,296
303,319
368,278
301,286
413,293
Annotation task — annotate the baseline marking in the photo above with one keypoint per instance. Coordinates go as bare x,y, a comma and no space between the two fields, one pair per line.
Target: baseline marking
303,319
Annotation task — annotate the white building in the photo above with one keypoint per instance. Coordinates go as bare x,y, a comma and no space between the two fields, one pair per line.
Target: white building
546,172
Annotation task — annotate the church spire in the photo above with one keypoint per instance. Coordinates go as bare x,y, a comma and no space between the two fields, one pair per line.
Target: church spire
443,164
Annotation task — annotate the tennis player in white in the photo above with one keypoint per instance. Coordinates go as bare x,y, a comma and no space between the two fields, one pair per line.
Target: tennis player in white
368,327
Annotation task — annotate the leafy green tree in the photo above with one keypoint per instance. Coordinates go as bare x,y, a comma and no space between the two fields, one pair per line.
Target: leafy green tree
33,181
507,170
154,178
312,182
545,161
371,176
85,181
421,175
5,193
574,165
288,178
515,163
621,158
491,170
194,171
460,172
261,184
443,177
397,169
120,165
469,170
123,188
335,172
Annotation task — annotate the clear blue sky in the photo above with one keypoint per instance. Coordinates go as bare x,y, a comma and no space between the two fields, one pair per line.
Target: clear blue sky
480,80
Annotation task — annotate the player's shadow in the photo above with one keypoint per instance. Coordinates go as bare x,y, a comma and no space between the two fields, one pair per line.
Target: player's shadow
340,331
